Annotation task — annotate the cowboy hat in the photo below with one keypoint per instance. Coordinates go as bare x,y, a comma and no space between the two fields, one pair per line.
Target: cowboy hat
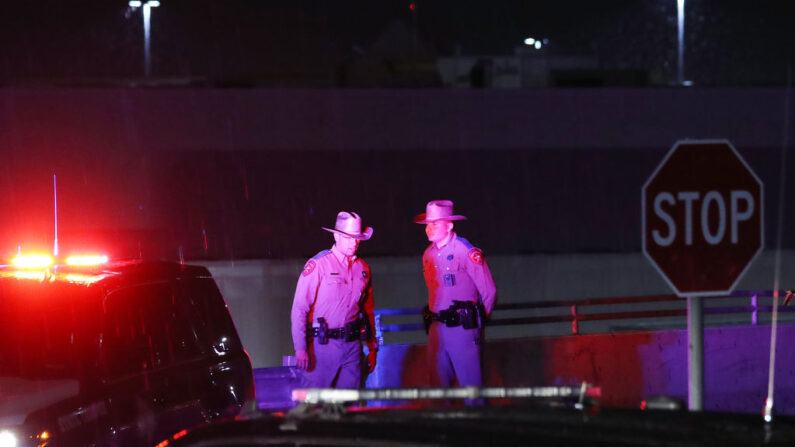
350,224
438,210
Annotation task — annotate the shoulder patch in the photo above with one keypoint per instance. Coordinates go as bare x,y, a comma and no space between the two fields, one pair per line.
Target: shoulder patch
465,242
309,267
476,256
321,254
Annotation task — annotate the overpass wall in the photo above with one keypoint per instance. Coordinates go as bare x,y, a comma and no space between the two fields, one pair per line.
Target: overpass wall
259,292
253,173
629,366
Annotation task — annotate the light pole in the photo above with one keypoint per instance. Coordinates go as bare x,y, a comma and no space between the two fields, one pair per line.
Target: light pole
147,6
680,20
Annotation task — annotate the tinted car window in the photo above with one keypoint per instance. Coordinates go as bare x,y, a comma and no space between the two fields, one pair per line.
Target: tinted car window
208,315
144,329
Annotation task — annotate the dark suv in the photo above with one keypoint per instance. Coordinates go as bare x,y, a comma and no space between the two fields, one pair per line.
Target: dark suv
123,353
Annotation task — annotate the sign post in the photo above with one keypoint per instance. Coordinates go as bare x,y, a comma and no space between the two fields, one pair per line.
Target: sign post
702,227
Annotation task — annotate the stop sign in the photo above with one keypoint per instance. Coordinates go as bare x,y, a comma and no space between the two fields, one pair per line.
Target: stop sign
702,217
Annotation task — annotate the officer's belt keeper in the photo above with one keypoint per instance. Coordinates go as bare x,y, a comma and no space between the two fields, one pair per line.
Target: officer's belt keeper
353,330
460,313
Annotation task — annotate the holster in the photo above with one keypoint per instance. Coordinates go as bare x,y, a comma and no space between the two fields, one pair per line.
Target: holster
466,313
460,313
366,330
358,329
322,331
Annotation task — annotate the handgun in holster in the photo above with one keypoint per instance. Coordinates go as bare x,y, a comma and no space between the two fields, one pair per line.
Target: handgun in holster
466,313
366,330
357,329
322,331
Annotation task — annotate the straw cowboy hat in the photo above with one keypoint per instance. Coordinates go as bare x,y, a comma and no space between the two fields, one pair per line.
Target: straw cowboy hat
350,224
438,210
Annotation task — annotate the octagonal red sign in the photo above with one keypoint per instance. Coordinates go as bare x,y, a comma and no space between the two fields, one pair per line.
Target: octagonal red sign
702,217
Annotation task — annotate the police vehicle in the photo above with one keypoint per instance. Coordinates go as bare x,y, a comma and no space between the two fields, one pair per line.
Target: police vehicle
95,352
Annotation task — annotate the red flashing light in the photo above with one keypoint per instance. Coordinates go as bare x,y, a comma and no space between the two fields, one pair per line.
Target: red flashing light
180,434
32,261
86,260
412,6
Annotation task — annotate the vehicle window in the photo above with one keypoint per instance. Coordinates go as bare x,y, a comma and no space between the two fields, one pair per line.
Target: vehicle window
206,310
144,329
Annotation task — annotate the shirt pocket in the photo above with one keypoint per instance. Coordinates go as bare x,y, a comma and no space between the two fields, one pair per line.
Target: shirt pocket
335,281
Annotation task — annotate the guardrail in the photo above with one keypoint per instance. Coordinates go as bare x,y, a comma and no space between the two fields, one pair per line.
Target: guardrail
576,311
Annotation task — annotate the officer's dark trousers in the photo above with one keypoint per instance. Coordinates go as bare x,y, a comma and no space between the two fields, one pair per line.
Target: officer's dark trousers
454,352
336,364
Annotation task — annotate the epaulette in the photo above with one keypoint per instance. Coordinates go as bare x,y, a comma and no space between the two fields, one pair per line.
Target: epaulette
466,243
321,254
309,267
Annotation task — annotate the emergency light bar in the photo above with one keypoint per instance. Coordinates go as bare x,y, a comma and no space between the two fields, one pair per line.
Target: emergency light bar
32,261
43,262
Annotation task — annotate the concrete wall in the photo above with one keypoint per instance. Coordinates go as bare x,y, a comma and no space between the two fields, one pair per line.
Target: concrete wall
629,366
259,293
252,174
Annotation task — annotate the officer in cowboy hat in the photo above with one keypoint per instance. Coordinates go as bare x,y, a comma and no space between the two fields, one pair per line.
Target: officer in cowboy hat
461,292
333,310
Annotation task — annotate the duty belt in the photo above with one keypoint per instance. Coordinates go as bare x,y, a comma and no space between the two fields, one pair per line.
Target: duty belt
353,330
332,333
460,313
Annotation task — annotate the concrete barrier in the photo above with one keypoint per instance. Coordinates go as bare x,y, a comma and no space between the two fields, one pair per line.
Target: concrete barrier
628,366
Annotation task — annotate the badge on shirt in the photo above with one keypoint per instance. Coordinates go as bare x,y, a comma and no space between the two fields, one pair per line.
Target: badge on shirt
449,279
308,268
476,256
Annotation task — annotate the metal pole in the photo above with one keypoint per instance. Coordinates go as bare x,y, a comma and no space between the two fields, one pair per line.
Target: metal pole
147,13
680,15
695,353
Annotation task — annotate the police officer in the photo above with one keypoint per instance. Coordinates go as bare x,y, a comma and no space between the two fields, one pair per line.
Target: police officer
333,310
460,292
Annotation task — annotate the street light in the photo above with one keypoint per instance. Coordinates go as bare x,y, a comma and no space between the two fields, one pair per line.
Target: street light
537,43
147,6
680,16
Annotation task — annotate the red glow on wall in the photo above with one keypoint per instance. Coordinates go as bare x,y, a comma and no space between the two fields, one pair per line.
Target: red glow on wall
412,6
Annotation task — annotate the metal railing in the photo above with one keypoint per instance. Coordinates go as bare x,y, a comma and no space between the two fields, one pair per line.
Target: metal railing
577,311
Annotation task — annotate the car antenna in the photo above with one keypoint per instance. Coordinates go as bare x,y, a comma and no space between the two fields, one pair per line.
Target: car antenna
55,209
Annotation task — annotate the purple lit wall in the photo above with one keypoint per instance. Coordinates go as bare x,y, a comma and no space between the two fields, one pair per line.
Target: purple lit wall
629,366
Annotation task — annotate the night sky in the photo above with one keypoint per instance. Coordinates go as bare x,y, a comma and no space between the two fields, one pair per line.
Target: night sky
303,43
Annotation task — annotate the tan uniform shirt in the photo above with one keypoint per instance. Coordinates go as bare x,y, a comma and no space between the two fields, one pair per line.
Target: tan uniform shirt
334,288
